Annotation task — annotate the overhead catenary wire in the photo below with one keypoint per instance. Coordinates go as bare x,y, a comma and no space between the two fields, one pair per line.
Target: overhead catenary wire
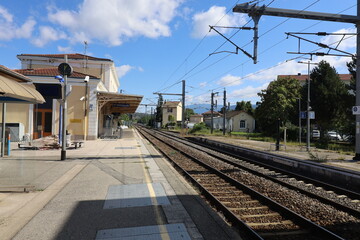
196,47
282,39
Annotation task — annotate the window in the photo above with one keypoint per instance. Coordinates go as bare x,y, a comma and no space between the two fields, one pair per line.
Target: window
170,110
242,124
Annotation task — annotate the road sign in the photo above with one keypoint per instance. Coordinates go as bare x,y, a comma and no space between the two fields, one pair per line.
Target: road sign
356,110
303,115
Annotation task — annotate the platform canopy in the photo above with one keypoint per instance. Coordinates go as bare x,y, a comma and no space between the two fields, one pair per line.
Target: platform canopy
118,102
17,88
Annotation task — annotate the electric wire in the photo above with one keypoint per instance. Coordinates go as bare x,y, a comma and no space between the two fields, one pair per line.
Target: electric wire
196,47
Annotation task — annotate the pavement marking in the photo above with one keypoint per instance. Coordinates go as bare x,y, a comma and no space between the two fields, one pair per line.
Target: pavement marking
15,222
148,180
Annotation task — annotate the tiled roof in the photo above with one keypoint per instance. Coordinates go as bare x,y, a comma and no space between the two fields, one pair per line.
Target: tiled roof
48,72
14,74
209,112
69,55
171,104
343,77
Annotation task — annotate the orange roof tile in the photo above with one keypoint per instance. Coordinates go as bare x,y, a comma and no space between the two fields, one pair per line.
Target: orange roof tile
69,55
46,72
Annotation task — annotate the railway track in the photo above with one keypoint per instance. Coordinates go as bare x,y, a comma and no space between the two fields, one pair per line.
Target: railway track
337,197
243,206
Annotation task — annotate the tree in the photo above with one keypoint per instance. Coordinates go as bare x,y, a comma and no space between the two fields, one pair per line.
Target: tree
244,106
189,112
329,97
159,111
278,101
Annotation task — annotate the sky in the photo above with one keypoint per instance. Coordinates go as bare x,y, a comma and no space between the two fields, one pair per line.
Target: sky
156,44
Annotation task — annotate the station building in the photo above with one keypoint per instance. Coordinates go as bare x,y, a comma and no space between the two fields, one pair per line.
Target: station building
93,101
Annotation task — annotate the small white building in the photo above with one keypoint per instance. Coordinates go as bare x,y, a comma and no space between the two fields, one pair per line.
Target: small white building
171,110
240,121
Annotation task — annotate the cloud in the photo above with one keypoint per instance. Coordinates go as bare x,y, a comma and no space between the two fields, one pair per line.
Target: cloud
114,21
229,80
64,49
203,84
9,30
202,20
349,41
124,69
248,93
47,34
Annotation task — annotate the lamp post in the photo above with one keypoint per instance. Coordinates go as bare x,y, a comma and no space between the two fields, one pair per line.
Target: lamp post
65,70
299,100
86,80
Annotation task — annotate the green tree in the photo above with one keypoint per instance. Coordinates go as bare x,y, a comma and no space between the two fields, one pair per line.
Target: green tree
189,112
329,97
278,101
159,110
244,106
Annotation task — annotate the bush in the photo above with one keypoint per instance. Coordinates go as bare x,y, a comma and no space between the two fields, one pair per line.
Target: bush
198,127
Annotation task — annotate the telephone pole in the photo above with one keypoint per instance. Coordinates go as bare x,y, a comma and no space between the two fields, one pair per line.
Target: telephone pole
224,109
212,111
289,13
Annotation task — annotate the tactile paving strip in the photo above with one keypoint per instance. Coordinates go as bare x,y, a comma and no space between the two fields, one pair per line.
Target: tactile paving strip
135,195
157,232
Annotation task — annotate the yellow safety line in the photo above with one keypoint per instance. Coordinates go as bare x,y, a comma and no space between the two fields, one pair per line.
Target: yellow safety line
163,231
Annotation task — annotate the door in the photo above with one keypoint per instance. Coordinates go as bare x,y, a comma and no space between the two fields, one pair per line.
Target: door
42,122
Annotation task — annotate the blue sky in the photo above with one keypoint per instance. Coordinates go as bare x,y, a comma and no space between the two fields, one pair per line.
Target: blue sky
155,44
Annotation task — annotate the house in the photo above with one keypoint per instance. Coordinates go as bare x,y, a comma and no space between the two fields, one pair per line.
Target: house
197,118
208,114
240,121
303,78
171,111
93,101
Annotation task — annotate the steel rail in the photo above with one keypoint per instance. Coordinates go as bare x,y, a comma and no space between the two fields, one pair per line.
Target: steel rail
264,199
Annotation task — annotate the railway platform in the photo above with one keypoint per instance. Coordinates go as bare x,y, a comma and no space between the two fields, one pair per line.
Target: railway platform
107,189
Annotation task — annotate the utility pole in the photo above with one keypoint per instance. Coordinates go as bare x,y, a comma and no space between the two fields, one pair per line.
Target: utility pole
183,106
225,110
308,107
212,111
252,9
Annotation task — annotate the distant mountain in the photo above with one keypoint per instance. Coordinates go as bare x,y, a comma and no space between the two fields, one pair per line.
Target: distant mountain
201,108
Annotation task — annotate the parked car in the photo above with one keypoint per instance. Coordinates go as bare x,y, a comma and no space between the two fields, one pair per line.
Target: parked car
315,134
334,136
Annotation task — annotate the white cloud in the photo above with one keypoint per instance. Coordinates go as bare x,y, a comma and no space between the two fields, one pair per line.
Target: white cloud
123,70
202,21
349,41
114,21
202,84
229,80
47,34
65,49
248,93
9,30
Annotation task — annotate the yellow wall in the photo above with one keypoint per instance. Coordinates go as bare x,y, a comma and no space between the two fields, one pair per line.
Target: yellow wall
249,122
76,112
16,113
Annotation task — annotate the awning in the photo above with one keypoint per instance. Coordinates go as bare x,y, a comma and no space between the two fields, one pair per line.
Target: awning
118,102
13,91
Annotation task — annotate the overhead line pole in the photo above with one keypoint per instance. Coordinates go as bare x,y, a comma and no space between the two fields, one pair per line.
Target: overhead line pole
278,12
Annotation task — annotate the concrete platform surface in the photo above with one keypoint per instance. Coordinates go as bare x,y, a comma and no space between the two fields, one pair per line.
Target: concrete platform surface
106,188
